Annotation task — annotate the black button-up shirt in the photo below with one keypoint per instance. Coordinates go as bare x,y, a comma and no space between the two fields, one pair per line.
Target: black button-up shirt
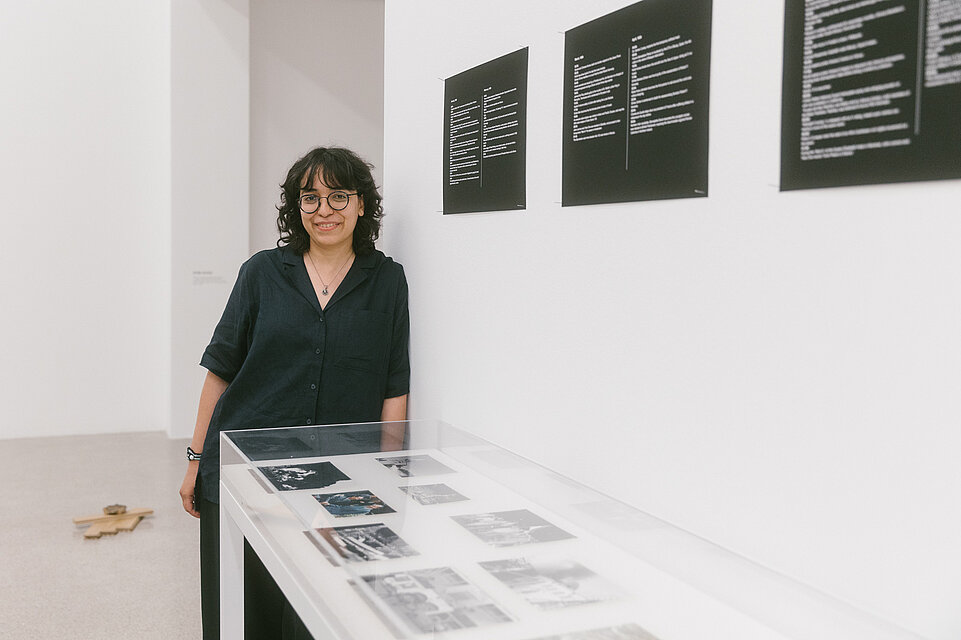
288,362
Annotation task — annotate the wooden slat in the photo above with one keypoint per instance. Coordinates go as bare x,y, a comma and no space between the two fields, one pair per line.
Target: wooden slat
103,518
93,531
128,524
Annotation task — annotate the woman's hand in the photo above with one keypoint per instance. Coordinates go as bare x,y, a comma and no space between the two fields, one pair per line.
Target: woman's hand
187,489
214,387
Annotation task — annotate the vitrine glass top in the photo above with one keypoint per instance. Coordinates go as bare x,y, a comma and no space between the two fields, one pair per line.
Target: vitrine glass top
418,529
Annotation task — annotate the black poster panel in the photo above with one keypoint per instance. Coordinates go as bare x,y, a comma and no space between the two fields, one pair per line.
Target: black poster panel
485,136
636,91
871,92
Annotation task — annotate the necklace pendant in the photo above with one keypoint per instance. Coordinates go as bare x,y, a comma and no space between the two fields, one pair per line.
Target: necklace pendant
324,291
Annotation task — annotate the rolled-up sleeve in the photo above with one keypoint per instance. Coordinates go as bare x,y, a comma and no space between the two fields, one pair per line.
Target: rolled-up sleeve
228,347
398,372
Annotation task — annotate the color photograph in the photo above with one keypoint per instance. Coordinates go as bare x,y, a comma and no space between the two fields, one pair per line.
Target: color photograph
352,503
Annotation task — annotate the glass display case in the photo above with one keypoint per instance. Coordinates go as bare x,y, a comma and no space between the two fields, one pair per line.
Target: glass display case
421,530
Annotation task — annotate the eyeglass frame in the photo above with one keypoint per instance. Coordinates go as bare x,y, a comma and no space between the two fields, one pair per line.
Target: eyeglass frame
300,201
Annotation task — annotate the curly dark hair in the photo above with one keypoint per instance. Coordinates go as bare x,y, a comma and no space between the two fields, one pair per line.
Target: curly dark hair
339,168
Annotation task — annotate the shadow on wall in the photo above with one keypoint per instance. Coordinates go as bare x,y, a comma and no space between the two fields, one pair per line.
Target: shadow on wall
324,36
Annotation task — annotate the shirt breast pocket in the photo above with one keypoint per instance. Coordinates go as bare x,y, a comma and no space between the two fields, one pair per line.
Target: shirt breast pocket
362,341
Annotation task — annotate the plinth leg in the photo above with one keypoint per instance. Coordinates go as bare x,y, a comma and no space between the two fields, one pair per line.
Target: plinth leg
231,579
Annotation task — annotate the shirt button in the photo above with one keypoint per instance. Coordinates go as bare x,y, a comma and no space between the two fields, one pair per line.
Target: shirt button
309,421
317,351
313,386
321,319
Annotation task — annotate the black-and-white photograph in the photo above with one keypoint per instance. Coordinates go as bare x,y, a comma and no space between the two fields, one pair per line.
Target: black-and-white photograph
271,446
415,465
619,632
352,503
552,584
316,475
437,599
511,528
367,542
432,493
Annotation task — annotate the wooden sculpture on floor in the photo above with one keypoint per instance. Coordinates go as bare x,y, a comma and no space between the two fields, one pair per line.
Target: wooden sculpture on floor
115,518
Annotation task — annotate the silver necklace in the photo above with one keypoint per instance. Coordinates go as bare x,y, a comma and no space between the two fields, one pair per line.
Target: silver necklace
317,271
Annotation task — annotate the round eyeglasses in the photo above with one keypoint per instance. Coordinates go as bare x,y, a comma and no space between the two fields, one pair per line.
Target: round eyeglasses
336,200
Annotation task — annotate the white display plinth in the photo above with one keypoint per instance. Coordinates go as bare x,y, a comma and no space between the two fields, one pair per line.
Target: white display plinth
419,530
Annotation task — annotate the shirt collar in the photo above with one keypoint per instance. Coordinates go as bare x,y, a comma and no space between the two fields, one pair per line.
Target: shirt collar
354,276
366,261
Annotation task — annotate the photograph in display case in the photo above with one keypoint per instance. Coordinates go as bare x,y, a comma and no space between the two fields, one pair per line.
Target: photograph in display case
367,542
352,503
511,528
432,493
315,475
552,584
437,599
619,632
415,465
271,446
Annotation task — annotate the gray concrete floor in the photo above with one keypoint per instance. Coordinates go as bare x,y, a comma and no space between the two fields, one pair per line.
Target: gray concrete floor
56,584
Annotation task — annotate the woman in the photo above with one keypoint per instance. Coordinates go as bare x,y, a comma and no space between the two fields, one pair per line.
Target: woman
314,332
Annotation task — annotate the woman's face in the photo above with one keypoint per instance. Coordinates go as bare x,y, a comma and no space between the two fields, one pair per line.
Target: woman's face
327,227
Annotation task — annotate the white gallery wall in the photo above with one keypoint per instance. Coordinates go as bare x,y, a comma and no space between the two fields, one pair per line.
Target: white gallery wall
85,202
210,123
124,156
316,79
142,113
255,85
777,372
